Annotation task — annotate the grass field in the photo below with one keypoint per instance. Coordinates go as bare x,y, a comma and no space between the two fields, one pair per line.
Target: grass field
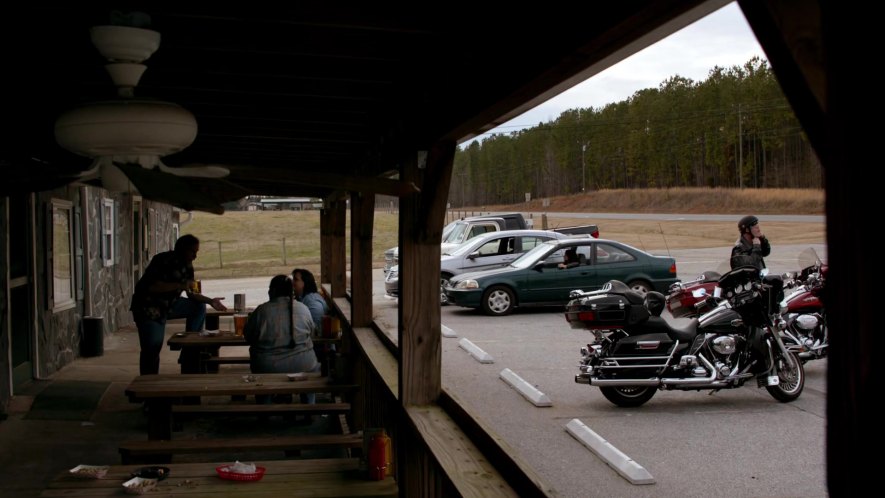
247,243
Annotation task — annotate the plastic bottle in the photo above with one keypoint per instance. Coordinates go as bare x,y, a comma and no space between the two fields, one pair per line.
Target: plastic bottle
379,456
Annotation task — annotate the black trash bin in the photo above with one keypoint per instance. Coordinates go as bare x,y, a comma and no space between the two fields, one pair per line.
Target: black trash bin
92,340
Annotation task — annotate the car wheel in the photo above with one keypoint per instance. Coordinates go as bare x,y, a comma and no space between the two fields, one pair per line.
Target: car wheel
443,282
498,301
640,286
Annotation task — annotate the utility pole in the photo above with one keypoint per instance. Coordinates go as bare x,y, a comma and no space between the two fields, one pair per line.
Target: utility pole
740,148
583,175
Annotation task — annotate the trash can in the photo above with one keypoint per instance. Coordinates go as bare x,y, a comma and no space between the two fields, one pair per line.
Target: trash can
92,340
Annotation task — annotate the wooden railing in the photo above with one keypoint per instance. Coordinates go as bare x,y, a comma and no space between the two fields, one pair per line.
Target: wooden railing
442,449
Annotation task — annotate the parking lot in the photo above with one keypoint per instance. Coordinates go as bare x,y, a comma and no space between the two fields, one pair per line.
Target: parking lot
737,442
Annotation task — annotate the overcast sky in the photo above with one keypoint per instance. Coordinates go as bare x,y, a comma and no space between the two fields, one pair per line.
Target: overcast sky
721,39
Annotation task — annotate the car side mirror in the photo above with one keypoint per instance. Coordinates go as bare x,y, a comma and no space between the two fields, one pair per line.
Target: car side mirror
539,266
473,255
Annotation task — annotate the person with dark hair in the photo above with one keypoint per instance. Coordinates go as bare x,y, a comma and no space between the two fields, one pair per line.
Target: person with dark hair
278,333
157,298
752,245
307,292
570,259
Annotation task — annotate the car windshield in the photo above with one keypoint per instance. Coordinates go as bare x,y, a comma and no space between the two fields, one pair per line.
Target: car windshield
456,233
530,258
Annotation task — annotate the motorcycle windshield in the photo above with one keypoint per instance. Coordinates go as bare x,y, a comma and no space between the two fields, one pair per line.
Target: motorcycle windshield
809,258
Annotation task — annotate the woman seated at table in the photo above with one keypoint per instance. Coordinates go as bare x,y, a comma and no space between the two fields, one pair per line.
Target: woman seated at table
278,333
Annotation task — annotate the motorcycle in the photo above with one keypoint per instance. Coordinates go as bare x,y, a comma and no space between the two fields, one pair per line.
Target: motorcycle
806,331
635,352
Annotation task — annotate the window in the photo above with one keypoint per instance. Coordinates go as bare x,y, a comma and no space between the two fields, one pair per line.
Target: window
531,242
107,231
61,254
606,254
490,248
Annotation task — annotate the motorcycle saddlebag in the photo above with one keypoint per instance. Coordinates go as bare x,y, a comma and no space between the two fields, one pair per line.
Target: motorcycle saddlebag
604,311
643,345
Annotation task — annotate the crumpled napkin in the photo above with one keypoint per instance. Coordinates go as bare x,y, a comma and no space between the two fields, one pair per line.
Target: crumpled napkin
242,468
207,333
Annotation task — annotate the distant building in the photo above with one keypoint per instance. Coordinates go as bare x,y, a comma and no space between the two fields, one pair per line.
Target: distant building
287,203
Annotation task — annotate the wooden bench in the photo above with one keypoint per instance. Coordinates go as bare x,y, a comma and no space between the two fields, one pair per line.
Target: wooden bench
140,451
210,364
254,409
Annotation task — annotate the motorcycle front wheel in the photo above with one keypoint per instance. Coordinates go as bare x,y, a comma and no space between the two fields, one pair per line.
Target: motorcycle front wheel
628,397
792,380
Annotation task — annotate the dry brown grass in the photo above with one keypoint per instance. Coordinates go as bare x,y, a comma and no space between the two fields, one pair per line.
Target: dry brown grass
682,200
654,235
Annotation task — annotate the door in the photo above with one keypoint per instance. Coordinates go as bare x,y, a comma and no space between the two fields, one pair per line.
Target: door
20,289
551,284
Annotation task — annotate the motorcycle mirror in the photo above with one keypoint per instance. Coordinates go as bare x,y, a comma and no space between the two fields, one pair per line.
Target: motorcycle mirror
717,292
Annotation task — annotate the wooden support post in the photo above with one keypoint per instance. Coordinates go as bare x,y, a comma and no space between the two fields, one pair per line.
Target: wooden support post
420,232
362,218
338,248
325,241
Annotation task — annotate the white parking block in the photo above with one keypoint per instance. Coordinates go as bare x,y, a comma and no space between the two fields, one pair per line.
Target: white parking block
474,350
614,457
527,390
447,332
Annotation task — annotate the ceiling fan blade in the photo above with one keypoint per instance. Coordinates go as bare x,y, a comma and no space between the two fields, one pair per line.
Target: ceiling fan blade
196,171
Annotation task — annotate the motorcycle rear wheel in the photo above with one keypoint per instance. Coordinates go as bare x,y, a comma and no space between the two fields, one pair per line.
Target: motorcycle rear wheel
628,397
792,381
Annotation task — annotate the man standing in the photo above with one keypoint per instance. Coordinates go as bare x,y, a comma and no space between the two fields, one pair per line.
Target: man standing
156,298
752,245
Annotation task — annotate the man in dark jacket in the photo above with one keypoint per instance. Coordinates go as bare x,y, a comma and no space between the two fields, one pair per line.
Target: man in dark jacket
752,245
156,298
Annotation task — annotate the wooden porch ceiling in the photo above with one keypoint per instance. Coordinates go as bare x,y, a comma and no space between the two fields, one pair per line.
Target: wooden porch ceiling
317,98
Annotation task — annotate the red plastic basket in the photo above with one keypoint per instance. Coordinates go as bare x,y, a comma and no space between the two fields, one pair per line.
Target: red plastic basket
234,476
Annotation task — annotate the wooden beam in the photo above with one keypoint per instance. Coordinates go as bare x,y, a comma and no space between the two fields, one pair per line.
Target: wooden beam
352,183
362,217
854,386
325,244
420,232
790,33
337,248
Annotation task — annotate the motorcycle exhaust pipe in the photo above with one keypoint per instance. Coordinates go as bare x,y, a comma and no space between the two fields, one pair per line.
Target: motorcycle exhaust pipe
699,381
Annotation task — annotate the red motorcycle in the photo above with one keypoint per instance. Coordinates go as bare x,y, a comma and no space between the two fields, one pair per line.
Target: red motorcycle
805,318
692,297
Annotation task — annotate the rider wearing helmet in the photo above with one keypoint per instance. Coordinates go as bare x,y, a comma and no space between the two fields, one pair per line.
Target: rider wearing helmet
752,246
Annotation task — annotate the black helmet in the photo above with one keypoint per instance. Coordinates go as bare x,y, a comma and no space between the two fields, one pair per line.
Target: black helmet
747,222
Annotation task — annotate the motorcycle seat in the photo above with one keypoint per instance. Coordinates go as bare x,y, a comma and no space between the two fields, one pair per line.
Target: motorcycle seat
683,331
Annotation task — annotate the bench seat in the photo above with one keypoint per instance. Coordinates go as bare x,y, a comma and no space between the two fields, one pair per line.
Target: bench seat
136,451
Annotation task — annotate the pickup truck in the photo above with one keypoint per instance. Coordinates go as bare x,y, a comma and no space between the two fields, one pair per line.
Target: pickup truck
460,231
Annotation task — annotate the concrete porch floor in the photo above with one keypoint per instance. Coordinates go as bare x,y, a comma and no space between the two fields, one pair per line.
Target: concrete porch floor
32,452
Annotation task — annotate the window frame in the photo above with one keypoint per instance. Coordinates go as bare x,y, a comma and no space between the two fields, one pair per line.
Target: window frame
108,231
57,301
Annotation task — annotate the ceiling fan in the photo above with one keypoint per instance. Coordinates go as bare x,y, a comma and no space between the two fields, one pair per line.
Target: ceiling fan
128,130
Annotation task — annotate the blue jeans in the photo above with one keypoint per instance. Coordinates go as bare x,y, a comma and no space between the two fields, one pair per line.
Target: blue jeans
152,332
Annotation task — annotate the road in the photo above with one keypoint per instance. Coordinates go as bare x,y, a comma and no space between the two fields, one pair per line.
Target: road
731,443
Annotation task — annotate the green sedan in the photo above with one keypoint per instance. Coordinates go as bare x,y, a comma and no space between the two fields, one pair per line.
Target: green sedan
547,274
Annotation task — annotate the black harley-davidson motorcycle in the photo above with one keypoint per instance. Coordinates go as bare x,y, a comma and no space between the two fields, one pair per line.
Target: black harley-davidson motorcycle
635,352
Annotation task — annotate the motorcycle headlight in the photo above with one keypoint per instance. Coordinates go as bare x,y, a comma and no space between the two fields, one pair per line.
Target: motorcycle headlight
467,284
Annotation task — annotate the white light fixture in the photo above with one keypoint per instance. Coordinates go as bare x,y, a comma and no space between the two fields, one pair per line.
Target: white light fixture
128,130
